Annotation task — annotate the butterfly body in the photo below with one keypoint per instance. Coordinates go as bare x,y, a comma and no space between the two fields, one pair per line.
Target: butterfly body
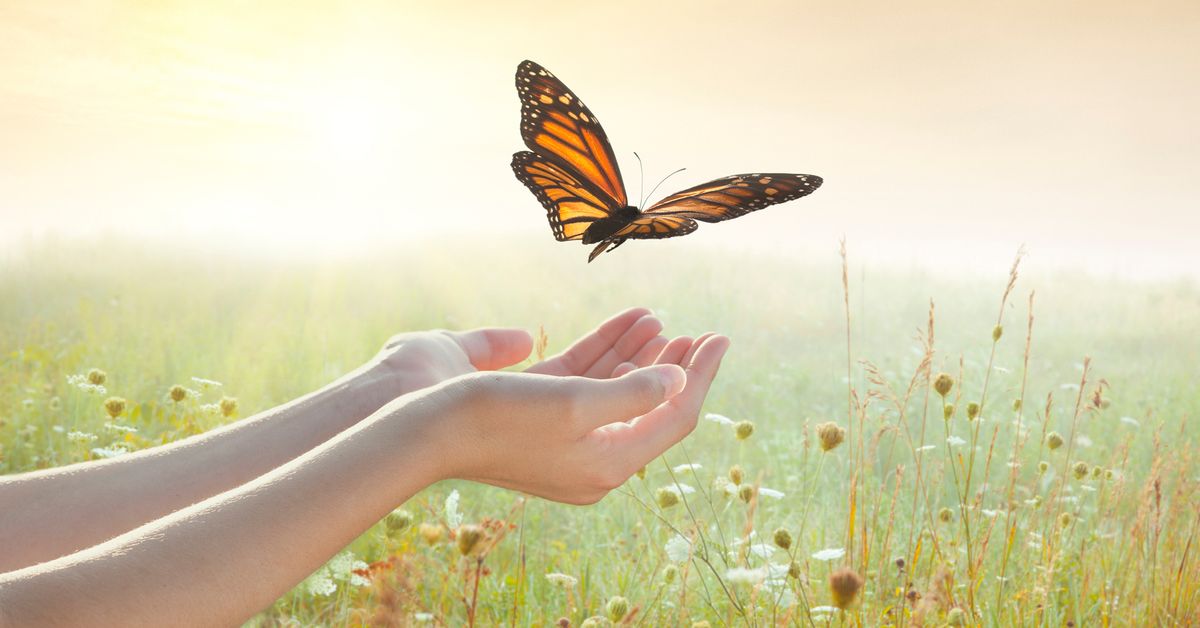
571,169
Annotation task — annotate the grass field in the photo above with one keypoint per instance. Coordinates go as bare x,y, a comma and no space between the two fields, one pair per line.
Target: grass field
961,520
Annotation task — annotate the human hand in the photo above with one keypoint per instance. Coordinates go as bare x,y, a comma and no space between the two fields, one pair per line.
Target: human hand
416,360
569,438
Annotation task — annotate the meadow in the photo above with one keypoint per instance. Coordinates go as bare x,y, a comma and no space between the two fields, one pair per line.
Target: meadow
1053,483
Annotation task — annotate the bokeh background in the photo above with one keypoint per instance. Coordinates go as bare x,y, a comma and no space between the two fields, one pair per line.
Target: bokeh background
948,133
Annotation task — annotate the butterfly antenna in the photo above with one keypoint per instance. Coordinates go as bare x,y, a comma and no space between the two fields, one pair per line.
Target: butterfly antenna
664,180
641,178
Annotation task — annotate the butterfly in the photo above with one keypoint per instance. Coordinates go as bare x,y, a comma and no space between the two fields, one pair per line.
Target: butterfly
571,169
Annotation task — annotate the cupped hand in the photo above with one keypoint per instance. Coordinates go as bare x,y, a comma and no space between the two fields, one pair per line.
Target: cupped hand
416,360
573,438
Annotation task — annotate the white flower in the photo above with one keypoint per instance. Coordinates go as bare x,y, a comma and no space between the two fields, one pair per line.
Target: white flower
343,566
955,441
719,418
562,580
211,408
680,488
1128,420
58,428
319,583
81,437
423,618
770,492
678,548
762,550
832,553
680,468
823,609
747,576
80,381
991,514
926,447
206,383
113,427
723,485
453,517
1070,387
110,452
1083,441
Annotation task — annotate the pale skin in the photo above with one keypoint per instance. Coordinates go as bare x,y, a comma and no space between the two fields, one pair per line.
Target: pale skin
212,529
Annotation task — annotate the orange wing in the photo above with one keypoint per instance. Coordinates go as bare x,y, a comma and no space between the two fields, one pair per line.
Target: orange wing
556,125
571,205
718,200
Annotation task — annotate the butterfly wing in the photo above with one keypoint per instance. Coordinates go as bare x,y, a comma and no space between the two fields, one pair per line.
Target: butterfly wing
718,200
572,205
556,125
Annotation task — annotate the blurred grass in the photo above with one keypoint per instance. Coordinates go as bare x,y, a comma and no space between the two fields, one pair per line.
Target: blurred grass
155,315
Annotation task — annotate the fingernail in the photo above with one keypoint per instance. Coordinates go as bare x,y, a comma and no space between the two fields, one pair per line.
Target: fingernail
673,379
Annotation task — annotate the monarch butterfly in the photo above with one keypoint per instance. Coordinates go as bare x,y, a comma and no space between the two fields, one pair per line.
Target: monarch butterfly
571,169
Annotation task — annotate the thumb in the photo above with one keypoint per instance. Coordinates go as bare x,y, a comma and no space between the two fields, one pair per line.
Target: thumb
606,401
494,348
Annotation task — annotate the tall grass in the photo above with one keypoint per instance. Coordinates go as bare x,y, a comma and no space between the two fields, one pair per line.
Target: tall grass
969,519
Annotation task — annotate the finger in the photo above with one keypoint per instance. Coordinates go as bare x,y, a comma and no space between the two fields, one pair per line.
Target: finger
599,402
691,352
674,350
623,368
626,346
585,351
494,348
649,435
645,356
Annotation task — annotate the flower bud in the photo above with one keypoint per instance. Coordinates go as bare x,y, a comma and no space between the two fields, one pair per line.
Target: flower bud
114,406
997,331
1054,440
397,520
228,406
177,393
746,493
743,429
666,498
948,411
945,515
1080,469
972,411
617,608
783,538
468,536
736,475
96,377
943,384
431,532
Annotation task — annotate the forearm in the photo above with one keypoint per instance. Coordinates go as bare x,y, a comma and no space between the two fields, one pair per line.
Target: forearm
220,561
47,514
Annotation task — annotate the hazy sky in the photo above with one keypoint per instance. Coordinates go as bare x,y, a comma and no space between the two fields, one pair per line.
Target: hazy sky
945,130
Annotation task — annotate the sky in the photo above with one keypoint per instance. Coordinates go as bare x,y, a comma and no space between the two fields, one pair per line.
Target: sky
947,132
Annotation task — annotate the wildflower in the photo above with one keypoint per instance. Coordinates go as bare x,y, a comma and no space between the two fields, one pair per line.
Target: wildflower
96,377
997,331
1128,420
1109,475
743,575
783,538
1080,469
177,393
1064,520
55,403
423,618
972,411
830,435
746,493
453,517
319,583
719,418
431,532
900,562
81,382
845,584
794,570
736,475
114,406
945,515
743,430
948,411
1016,405
206,383
832,553
680,468
110,452
955,441
617,608
1054,440
943,384
678,548
595,621
398,520
228,406
562,580
1043,466
1097,472
468,537
81,437
666,497
113,427
957,616
770,492
669,573
343,567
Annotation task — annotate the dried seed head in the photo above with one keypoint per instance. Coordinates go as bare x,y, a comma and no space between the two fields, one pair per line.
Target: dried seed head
177,393
1043,466
1109,475
736,475
845,584
1016,405
943,384
96,377
397,520
831,435
794,570
743,429
228,406
431,532
669,573
1080,469
972,411
1065,519
666,497
468,537
1054,440
945,515
616,608
641,473
114,406
997,331
783,538
900,562
948,411
746,493
1097,472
